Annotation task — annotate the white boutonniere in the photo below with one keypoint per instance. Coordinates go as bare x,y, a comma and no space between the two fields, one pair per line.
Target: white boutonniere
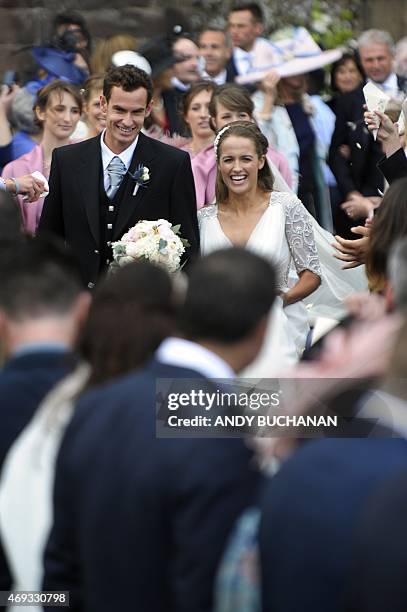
141,176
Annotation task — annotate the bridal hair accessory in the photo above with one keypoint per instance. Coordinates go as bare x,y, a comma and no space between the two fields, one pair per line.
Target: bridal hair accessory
218,137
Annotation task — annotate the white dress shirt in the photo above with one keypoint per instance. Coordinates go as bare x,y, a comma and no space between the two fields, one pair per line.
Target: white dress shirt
107,156
243,60
219,79
261,57
175,82
187,354
389,86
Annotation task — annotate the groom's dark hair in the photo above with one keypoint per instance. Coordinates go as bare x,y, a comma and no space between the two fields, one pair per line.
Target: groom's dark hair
229,292
128,78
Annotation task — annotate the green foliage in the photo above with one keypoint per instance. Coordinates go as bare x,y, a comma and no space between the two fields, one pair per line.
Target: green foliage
332,23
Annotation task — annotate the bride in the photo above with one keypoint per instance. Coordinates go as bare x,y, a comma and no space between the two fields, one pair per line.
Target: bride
273,224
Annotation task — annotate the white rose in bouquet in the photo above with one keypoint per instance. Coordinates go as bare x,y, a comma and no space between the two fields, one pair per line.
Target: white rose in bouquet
158,241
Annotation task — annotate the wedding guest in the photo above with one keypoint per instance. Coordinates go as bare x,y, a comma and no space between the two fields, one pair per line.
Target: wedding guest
389,225
293,521
358,178
195,111
231,103
186,73
346,75
215,47
161,58
18,132
42,307
94,117
400,57
245,26
132,312
58,109
294,115
113,470
379,550
394,164
379,557
71,24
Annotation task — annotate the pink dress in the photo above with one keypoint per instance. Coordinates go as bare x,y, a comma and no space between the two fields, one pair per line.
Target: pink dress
204,171
26,164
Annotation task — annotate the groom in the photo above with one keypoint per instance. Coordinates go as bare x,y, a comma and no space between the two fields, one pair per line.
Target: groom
93,199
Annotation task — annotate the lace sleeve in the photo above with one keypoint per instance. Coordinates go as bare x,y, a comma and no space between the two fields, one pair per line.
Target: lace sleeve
206,212
300,237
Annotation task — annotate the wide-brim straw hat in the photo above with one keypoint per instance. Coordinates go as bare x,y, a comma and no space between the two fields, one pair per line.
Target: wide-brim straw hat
291,51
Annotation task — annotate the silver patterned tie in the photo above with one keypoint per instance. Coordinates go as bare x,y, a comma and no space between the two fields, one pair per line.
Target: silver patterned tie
116,171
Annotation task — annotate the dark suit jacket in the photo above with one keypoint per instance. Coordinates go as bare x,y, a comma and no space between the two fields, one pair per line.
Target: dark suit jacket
379,565
310,513
359,172
24,382
72,208
140,521
231,70
394,167
172,99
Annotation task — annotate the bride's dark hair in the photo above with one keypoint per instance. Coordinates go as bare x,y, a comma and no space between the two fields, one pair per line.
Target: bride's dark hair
244,129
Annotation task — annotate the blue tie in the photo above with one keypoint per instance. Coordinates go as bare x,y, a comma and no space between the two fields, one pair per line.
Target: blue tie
116,171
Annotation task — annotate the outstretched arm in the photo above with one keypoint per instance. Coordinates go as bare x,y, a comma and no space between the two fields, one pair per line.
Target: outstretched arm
353,252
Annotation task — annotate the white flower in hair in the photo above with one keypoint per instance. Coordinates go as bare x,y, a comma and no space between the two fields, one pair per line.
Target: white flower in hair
218,137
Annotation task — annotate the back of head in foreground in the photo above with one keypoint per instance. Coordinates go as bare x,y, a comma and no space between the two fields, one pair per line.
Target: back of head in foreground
390,224
229,297
41,296
131,313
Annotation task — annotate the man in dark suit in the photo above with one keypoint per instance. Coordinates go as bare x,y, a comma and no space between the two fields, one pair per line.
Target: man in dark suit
93,198
216,49
41,307
245,26
186,73
141,521
358,178
313,508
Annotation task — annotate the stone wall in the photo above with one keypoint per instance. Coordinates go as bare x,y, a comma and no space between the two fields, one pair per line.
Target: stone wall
388,15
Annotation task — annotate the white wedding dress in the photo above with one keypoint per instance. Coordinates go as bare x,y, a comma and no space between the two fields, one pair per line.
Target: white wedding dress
290,237
283,234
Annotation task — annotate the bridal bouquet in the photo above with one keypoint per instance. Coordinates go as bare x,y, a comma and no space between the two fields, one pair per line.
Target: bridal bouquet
158,241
